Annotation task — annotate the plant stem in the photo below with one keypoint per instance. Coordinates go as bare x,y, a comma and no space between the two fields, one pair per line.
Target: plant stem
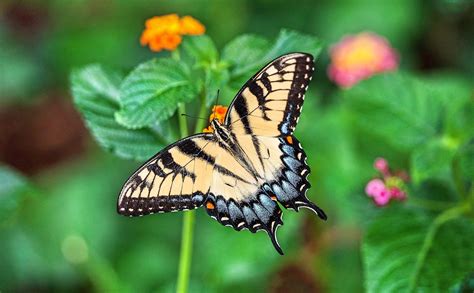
188,225
442,218
186,252
183,123
189,216
202,113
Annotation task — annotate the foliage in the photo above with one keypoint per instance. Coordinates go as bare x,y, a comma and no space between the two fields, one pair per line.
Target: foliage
405,249
126,115
13,191
96,94
59,227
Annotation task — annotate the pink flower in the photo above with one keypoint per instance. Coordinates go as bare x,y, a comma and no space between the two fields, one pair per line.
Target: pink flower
389,187
374,187
383,198
382,165
397,193
360,56
378,191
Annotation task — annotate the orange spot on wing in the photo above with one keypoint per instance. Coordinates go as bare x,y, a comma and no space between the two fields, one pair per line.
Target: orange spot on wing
210,205
289,139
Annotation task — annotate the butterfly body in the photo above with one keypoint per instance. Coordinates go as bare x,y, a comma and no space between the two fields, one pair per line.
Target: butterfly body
245,168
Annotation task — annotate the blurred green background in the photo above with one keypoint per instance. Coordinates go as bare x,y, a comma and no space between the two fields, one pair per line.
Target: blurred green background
59,230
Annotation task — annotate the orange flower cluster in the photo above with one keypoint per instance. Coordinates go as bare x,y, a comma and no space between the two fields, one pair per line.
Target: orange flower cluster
218,112
165,32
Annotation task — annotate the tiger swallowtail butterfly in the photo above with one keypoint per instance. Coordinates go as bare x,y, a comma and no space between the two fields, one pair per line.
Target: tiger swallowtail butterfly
242,170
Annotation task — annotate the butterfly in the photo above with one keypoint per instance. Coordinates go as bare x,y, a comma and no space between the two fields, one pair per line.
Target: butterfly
246,168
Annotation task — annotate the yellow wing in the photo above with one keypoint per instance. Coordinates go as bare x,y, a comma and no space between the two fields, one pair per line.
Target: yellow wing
177,178
270,103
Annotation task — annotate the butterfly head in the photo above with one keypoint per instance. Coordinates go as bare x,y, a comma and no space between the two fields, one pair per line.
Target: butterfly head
220,130
215,123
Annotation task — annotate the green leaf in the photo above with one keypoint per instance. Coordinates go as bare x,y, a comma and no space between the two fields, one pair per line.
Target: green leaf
151,92
292,41
432,160
200,49
96,94
245,50
398,108
457,95
405,250
465,158
13,190
248,53
216,79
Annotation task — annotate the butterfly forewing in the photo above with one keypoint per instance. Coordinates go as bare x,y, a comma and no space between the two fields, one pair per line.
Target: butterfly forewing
174,179
270,103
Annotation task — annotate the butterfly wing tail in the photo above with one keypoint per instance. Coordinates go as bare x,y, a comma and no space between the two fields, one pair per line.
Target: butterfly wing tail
291,187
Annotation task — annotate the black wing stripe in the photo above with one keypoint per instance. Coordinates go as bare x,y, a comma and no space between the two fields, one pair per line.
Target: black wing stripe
140,196
299,68
190,148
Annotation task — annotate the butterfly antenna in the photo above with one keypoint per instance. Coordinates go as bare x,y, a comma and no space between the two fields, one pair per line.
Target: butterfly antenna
194,117
217,103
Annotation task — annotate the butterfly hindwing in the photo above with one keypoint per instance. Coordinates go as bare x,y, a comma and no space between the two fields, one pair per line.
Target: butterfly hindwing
270,103
174,179
251,203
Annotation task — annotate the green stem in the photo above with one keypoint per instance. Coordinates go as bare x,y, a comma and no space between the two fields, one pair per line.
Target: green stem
188,224
442,218
202,112
183,123
186,252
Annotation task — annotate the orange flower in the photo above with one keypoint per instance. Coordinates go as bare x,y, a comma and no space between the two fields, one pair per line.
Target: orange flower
190,26
165,32
218,112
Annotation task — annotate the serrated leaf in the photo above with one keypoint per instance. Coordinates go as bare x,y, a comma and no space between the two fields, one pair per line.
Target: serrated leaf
200,49
432,160
245,50
406,251
13,189
249,53
152,91
96,94
292,41
399,108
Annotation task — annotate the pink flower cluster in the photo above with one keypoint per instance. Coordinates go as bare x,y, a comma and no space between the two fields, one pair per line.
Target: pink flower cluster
389,187
360,56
